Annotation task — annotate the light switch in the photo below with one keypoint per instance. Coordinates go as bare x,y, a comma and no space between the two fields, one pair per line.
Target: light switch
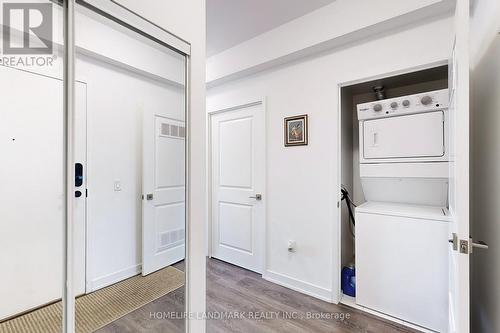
118,185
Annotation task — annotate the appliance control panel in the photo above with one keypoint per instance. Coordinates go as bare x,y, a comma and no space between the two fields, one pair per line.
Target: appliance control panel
418,103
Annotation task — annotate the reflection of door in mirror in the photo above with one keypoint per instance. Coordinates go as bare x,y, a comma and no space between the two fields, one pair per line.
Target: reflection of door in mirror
32,188
163,182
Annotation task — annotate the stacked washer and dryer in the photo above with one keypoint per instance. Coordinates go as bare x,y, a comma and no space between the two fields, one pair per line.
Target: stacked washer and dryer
401,231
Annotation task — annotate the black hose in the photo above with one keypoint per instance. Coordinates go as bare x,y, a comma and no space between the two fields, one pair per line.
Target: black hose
350,204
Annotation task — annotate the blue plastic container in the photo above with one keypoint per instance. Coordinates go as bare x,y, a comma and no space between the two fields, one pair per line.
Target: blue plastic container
349,280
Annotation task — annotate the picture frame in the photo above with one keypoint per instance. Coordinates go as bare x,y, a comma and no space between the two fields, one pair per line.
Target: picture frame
296,131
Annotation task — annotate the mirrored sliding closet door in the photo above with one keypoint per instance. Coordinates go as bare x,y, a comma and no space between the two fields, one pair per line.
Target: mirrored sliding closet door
32,162
130,105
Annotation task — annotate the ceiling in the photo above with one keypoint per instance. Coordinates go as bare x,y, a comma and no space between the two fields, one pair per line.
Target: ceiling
231,22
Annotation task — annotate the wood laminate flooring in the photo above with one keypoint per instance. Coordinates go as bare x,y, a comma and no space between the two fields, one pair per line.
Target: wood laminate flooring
232,290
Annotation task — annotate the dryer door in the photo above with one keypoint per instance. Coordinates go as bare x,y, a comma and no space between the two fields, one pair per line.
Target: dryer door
411,136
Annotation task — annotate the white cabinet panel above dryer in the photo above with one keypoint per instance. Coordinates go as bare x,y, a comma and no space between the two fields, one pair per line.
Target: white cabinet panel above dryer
415,136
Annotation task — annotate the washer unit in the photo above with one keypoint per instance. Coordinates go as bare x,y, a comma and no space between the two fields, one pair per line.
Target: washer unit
402,262
401,232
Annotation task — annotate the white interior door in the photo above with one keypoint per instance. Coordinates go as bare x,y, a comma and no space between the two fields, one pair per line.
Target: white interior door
459,173
238,179
31,191
163,223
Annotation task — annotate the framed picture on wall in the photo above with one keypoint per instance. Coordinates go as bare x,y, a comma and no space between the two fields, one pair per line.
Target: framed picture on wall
296,131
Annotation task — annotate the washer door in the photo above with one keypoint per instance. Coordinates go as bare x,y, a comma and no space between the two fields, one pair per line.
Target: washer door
410,136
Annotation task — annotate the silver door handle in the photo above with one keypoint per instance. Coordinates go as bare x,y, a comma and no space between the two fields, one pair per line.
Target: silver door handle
149,196
479,245
257,197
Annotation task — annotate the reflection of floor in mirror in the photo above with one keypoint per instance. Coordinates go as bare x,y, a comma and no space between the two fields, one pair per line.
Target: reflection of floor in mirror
232,289
98,309
143,319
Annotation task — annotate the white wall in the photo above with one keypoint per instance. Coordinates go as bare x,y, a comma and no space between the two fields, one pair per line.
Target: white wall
310,86
485,165
186,19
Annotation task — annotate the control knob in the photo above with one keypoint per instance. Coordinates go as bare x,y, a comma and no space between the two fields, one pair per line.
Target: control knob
406,103
426,100
377,107
394,105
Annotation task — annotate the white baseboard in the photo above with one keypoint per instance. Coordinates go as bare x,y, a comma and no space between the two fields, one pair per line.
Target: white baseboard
299,285
113,278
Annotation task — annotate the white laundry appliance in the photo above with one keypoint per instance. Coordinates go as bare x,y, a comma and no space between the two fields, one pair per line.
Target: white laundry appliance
401,231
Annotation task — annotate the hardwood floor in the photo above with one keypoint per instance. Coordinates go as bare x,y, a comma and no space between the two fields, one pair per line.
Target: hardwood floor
232,290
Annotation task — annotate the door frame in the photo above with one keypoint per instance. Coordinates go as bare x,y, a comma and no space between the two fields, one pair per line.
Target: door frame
212,111
337,250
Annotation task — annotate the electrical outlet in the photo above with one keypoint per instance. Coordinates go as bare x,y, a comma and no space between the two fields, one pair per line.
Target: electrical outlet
292,245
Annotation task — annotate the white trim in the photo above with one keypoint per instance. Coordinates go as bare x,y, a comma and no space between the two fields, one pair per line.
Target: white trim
408,70
241,103
127,67
68,293
138,23
266,122
208,149
351,302
337,252
187,194
298,285
228,107
113,278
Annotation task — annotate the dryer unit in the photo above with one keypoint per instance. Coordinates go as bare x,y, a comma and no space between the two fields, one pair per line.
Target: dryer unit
404,149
